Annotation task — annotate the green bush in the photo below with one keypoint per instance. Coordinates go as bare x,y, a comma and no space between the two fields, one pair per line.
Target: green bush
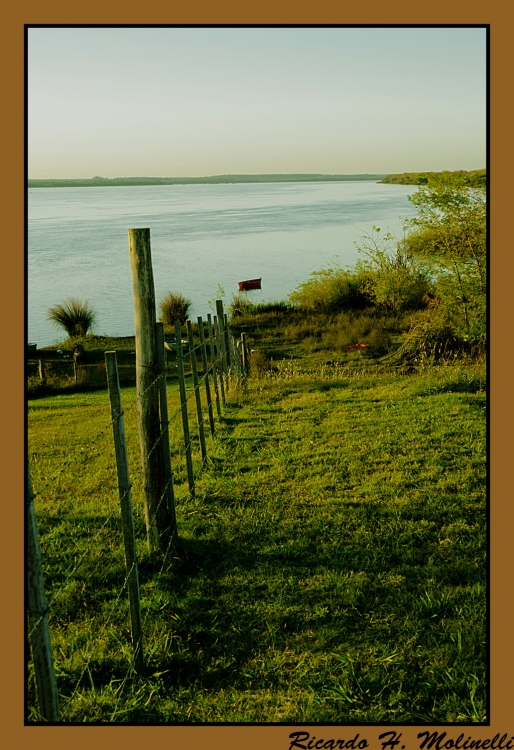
240,306
429,340
332,289
174,306
75,316
260,363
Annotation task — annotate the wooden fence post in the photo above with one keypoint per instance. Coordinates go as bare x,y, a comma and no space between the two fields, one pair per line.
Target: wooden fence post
165,433
127,520
205,365
39,630
41,369
220,362
226,331
158,521
183,404
196,384
232,350
239,348
214,364
223,338
236,355
244,353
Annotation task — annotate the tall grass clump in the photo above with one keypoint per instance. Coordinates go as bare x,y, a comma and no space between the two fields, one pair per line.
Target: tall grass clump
75,316
242,307
174,306
332,289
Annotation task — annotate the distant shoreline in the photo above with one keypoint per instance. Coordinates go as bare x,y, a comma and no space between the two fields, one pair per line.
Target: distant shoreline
212,180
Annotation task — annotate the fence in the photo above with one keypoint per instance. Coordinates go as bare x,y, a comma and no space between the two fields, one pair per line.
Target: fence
118,552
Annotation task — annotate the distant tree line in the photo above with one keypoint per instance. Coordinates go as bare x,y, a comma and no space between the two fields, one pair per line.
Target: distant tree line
212,180
475,178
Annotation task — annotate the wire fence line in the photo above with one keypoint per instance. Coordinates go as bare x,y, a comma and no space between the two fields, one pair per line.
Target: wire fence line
71,593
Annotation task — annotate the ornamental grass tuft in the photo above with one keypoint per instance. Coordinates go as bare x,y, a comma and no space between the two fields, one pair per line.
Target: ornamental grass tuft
174,306
74,315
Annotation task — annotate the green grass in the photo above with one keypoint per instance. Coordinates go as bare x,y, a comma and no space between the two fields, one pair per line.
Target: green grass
331,568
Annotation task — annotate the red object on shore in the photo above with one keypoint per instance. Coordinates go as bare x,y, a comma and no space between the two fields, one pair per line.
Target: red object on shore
250,284
358,346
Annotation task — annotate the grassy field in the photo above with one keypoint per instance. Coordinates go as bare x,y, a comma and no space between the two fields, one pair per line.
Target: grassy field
331,568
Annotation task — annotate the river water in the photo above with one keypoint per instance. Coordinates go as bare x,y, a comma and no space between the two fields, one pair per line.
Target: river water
202,237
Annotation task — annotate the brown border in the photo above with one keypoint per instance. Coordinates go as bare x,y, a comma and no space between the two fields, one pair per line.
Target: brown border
12,730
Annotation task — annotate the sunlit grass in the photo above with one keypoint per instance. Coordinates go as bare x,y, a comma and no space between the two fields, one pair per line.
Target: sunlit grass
331,567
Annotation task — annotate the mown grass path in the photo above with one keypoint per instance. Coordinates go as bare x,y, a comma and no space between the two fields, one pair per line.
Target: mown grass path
332,567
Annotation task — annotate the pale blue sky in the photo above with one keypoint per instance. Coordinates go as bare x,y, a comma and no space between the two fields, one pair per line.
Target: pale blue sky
202,101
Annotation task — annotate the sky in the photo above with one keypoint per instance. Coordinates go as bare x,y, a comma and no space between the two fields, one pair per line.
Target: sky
166,102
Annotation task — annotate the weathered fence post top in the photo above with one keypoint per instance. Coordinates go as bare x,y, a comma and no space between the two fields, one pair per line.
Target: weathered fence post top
143,288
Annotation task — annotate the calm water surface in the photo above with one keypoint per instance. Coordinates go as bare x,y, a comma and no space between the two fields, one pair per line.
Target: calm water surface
202,236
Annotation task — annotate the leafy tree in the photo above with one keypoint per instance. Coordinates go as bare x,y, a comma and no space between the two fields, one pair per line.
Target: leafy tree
450,235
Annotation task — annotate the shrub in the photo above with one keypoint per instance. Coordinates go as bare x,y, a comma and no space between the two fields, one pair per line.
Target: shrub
240,305
332,289
394,280
174,306
260,363
77,317
430,339
261,308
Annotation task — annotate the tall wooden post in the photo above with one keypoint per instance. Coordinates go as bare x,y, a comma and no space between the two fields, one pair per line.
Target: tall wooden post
165,433
127,520
196,385
222,340
206,373
214,363
244,353
222,337
158,521
183,405
41,644
220,362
